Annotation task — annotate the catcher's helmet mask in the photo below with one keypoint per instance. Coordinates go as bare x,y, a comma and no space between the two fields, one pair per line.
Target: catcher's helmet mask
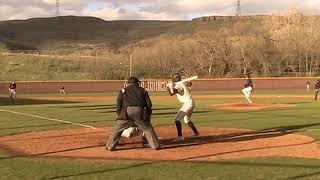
176,77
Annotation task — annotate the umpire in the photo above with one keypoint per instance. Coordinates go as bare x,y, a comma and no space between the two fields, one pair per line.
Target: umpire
133,109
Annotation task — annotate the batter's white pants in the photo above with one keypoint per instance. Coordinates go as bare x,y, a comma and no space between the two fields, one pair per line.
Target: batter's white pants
187,108
247,93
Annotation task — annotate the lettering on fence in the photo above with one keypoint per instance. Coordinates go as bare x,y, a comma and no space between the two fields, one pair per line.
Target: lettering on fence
156,86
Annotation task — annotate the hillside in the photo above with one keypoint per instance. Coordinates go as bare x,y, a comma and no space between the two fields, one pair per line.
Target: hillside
213,46
46,33
68,32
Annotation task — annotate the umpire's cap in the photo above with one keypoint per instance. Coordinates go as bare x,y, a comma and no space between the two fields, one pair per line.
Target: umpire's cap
133,80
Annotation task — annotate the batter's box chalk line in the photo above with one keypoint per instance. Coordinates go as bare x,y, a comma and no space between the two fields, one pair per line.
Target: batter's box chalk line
49,119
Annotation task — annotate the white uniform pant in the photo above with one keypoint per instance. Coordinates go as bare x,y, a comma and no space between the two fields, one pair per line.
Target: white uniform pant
12,93
247,93
187,108
62,91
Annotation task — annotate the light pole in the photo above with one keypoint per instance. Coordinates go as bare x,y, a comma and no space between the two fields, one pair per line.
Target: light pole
238,8
58,8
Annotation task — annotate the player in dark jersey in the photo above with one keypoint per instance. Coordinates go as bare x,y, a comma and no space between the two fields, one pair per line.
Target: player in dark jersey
248,87
12,91
62,91
317,87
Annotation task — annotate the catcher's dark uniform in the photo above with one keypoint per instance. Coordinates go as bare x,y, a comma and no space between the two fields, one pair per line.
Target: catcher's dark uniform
133,109
317,87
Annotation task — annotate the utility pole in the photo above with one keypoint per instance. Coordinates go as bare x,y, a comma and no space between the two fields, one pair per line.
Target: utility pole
58,13
238,8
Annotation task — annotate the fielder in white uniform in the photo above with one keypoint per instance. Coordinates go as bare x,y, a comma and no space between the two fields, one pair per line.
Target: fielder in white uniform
12,91
183,93
62,91
248,87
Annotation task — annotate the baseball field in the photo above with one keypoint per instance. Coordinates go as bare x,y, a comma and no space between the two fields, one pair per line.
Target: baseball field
48,136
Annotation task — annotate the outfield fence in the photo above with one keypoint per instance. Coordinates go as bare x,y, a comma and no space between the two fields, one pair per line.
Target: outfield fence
156,85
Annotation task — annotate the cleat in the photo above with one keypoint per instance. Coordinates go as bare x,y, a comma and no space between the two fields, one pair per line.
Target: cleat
109,149
196,135
180,138
145,144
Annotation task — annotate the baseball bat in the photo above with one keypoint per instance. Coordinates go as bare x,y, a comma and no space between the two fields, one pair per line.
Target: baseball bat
188,79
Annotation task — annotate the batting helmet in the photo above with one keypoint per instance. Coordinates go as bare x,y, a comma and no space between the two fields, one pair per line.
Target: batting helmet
176,77
133,80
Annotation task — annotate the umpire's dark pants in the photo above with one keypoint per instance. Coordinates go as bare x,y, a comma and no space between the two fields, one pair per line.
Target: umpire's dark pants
135,116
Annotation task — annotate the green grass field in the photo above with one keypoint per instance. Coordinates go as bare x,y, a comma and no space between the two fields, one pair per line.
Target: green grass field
300,119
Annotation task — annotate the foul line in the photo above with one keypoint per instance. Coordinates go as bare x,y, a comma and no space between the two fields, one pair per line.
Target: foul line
50,119
312,130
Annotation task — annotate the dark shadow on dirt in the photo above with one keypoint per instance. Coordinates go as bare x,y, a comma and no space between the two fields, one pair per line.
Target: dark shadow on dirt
244,150
89,107
160,109
289,129
305,176
21,154
100,108
175,112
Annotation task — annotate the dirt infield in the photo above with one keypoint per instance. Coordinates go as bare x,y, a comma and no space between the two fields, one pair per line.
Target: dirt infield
250,107
214,144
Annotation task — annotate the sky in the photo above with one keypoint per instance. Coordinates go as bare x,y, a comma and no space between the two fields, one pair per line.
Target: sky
150,9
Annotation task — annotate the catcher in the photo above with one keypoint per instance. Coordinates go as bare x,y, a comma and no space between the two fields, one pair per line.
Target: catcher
134,110
135,131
